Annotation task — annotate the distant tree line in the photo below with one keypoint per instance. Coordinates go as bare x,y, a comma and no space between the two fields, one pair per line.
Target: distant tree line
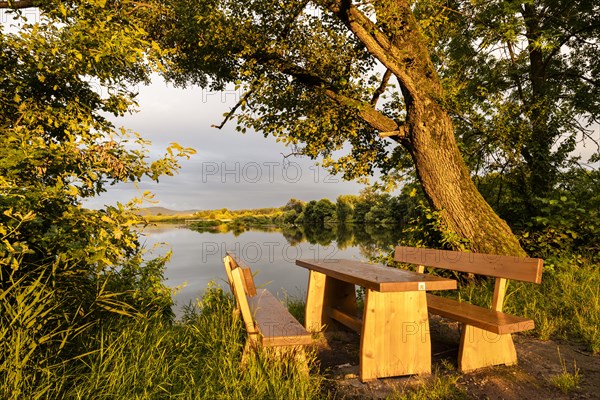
566,221
369,207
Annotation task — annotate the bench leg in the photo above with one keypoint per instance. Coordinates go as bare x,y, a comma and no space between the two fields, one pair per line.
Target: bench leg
395,336
480,348
324,292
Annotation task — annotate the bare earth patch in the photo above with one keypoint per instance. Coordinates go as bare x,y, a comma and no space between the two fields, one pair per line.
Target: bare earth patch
539,361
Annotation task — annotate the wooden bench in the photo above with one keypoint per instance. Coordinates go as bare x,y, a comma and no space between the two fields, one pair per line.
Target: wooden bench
267,321
486,333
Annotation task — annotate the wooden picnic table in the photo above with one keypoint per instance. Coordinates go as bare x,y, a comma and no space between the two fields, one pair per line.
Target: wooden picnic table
394,328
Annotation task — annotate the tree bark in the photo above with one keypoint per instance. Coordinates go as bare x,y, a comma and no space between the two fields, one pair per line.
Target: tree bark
538,151
17,4
430,136
448,185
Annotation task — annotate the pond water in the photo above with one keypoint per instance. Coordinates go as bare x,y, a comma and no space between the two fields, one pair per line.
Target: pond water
197,257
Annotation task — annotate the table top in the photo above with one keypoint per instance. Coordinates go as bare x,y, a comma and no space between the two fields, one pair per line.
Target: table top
376,276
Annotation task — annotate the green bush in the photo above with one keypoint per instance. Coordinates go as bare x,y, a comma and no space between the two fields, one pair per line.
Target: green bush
67,272
565,226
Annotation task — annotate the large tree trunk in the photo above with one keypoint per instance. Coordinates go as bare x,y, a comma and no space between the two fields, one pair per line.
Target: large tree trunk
448,185
398,43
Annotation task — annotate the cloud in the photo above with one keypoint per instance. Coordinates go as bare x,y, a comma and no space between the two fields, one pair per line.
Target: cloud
231,169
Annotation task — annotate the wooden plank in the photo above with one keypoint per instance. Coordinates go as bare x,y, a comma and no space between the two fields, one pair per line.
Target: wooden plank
518,268
242,302
274,322
395,335
499,293
351,321
228,263
231,263
377,277
490,320
266,319
237,262
249,282
341,296
234,260
326,292
371,337
315,298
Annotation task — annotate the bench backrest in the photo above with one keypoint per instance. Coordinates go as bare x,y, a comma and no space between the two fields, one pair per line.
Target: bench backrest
231,262
509,267
500,267
242,301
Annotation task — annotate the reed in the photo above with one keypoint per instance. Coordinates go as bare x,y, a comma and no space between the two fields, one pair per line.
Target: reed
148,357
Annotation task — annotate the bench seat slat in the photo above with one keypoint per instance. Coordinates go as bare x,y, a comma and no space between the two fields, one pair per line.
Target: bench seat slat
274,322
493,321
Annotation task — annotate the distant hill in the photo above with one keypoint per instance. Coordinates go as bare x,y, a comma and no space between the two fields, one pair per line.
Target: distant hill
164,211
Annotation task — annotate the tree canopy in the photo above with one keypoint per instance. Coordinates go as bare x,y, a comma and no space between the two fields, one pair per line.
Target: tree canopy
64,268
392,85
522,80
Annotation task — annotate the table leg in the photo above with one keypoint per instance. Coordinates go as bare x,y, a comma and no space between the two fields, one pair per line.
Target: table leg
323,292
395,335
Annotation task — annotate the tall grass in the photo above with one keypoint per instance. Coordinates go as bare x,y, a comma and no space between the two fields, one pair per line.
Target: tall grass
566,304
566,381
26,332
152,358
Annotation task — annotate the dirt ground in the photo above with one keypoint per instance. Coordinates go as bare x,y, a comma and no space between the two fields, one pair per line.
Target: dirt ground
530,379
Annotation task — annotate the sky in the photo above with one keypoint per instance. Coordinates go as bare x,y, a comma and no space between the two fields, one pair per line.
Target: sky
230,169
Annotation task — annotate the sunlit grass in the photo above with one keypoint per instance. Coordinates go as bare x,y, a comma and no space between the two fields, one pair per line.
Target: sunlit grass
197,359
566,381
296,307
150,358
200,357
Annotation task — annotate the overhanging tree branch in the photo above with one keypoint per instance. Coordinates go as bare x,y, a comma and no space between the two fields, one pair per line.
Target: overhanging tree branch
366,111
384,82
368,114
17,4
378,44
565,39
233,110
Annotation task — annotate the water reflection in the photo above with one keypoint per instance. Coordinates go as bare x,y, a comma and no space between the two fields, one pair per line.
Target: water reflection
344,235
271,252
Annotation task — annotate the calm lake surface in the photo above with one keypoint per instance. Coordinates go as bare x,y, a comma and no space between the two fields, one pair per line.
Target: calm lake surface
197,257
